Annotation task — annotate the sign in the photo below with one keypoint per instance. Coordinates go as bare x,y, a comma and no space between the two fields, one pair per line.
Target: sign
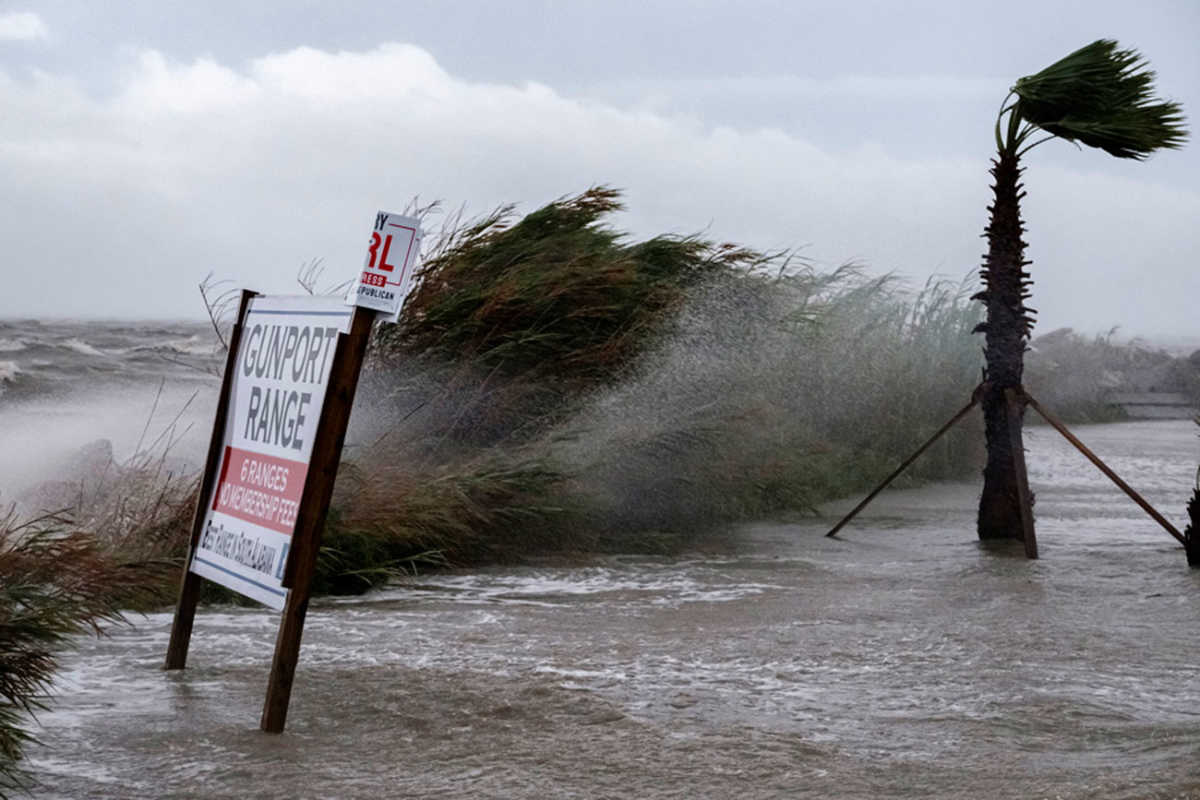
278,386
387,274
290,376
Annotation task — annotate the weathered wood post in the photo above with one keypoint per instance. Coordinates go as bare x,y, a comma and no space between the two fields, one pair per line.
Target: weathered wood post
1016,409
314,505
189,588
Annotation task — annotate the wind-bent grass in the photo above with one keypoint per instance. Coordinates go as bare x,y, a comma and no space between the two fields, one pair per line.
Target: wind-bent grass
56,581
554,386
775,395
117,547
763,394
493,508
542,308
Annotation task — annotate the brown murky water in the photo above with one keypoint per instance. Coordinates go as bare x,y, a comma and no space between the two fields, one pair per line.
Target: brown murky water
902,661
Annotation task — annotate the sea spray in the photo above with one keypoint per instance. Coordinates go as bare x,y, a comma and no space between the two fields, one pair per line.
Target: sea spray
64,384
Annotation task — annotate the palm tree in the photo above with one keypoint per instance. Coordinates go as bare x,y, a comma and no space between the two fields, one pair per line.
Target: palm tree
1099,96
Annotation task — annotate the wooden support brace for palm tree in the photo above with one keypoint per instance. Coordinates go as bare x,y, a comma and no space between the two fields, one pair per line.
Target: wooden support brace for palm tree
1014,401
1191,534
1021,477
1107,470
907,462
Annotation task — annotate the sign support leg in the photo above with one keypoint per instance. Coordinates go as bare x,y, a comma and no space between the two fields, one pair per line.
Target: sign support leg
189,589
318,489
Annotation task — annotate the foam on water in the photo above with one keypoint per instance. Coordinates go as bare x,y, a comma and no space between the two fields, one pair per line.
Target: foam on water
667,586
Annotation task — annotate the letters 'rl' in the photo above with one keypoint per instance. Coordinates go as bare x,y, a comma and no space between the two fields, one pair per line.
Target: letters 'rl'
376,239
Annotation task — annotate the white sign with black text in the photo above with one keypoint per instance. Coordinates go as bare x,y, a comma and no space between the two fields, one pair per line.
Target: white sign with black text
387,274
278,388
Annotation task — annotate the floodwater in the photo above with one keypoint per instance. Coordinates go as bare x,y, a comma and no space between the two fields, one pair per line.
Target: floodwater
904,660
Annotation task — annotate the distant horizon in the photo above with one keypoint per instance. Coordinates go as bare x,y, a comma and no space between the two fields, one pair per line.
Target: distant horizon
1182,343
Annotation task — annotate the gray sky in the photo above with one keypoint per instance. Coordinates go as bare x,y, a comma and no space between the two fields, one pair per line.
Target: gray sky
145,144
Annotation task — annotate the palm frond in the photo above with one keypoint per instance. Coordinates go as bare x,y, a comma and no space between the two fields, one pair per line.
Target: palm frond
1103,97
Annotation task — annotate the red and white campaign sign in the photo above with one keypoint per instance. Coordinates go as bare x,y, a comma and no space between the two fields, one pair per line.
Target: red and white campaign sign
278,388
387,274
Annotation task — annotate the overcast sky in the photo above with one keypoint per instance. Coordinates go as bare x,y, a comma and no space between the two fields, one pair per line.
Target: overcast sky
144,144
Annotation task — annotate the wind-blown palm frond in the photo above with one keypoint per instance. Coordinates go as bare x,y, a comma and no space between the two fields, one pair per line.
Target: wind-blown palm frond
1101,96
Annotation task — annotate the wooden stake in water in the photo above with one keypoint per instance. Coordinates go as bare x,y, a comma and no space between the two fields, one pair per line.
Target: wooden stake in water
189,588
1022,476
1114,477
310,521
907,462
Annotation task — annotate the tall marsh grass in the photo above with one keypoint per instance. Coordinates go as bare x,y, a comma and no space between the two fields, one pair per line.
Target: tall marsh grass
115,544
769,388
516,317
774,394
57,580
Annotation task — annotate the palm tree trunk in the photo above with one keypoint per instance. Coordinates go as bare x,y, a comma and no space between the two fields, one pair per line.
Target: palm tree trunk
1007,327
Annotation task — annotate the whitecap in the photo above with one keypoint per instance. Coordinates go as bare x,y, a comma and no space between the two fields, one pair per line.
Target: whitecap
11,345
9,370
83,348
194,345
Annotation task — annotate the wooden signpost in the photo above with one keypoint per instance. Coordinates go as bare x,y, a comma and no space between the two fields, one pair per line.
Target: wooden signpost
281,420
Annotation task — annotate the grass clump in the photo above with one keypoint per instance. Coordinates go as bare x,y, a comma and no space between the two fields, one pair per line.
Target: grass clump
56,581
539,309
556,293
494,508
767,387
773,395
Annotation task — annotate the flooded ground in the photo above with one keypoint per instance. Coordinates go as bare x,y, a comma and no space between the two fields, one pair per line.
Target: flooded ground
904,660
